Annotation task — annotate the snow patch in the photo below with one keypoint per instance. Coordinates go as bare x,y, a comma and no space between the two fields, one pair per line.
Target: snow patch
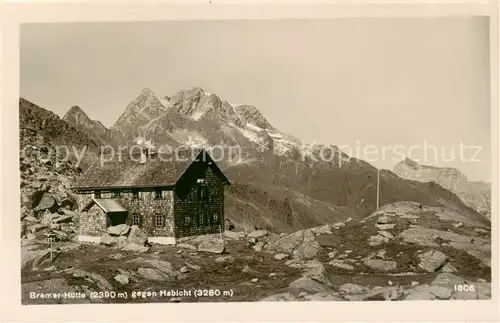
165,103
253,127
190,138
197,115
275,135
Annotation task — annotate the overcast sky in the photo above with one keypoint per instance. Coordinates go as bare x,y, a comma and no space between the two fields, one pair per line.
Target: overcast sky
380,82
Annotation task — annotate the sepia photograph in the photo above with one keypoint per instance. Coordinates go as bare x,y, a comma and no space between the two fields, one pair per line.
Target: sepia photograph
256,160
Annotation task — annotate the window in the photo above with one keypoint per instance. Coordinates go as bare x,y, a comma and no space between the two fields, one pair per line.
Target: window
202,192
215,218
159,220
116,194
187,220
158,194
200,180
97,194
135,195
136,219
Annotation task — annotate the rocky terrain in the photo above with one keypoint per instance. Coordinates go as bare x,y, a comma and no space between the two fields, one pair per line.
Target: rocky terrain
298,227
401,252
70,142
94,129
476,195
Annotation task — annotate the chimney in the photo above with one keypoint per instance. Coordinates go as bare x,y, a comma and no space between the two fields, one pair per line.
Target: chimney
144,155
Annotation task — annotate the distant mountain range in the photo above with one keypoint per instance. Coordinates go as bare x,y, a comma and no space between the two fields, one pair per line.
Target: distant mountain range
280,183
476,195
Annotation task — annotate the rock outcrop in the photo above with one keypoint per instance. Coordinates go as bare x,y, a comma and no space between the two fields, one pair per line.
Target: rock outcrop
476,195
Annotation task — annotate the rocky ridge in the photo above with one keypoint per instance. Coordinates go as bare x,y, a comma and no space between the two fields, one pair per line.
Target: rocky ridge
476,195
334,262
94,129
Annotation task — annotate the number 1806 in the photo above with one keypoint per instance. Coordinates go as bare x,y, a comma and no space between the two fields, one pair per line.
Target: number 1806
464,288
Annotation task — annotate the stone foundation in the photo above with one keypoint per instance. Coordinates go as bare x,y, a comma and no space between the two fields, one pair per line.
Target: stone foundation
162,240
89,239
93,222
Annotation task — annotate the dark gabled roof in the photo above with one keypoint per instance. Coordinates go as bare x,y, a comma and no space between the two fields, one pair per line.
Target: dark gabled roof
127,171
107,205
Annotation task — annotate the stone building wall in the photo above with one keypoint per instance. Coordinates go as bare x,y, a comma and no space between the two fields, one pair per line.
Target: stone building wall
93,222
148,207
196,217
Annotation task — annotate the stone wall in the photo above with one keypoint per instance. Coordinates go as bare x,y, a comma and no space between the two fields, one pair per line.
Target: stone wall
93,222
196,217
148,207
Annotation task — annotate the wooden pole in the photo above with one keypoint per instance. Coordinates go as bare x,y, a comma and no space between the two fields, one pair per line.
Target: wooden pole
50,248
378,187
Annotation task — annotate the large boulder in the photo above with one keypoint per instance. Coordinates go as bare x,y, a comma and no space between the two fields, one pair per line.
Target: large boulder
286,244
47,202
477,247
211,245
137,236
153,274
68,203
234,235
379,294
122,279
381,265
257,234
108,240
62,219
100,281
428,292
118,230
159,265
432,260
309,247
384,219
134,247
30,258
350,288
341,264
187,246
309,285
36,227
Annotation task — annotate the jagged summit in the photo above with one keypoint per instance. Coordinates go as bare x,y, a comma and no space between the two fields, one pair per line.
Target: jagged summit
145,108
75,109
76,115
94,129
148,92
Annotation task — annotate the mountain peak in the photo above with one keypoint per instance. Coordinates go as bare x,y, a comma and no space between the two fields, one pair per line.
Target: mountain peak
145,107
76,115
147,92
75,109
410,162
